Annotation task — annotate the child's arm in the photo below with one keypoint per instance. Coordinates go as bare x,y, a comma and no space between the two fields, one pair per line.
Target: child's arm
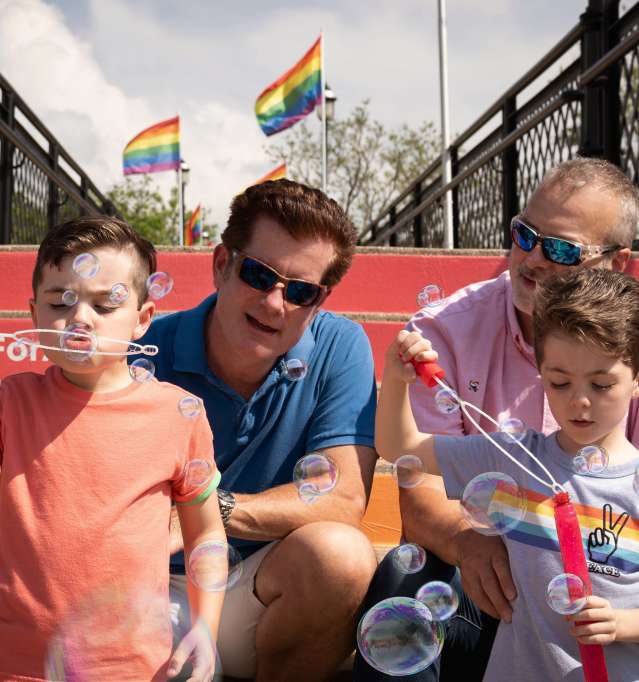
396,433
604,625
199,523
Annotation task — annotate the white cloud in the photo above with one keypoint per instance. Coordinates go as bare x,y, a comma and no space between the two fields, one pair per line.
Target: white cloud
60,79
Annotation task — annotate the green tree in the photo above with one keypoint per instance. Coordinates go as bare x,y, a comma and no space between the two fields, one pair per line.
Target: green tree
368,164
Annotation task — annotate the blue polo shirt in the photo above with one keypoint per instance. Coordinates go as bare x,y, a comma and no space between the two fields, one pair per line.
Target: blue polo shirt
258,441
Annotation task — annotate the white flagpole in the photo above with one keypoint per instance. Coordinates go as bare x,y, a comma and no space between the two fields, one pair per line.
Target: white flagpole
323,86
443,88
180,206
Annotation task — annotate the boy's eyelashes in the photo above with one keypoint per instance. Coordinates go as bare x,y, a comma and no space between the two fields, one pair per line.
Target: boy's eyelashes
597,387
100,308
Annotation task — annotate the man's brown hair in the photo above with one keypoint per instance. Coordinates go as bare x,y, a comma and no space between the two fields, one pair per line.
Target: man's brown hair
87,233
590,305
304,212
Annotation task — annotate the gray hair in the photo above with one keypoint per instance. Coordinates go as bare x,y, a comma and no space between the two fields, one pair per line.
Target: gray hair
607,177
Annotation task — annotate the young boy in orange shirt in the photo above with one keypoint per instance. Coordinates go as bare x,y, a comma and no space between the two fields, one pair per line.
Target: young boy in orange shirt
90,461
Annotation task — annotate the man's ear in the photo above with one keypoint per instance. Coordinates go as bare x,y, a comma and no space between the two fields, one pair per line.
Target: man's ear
620,259
145,315
221,261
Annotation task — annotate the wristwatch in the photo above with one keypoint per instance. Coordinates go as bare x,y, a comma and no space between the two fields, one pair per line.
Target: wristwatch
226,500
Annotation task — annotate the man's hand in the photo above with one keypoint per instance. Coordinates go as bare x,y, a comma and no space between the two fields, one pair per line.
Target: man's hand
485,573
197,647
597,622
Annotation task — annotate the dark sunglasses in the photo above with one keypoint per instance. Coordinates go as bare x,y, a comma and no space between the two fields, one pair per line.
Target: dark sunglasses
556,250
263,277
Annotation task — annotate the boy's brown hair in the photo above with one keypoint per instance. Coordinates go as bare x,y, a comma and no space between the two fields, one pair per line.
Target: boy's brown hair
87,233
304,212
591,305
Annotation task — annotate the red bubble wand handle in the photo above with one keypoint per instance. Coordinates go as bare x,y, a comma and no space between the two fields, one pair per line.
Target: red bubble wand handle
574,561
570,543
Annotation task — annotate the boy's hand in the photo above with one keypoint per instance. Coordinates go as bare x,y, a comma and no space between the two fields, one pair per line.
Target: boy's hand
197,647
406,347
600,626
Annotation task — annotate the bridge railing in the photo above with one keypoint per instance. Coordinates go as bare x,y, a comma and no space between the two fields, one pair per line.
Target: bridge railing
582,97
40,183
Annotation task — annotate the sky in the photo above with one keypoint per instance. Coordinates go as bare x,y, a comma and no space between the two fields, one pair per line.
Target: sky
97,72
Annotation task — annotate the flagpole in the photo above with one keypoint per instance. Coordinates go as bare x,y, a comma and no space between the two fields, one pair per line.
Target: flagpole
180,206
323,86
443,89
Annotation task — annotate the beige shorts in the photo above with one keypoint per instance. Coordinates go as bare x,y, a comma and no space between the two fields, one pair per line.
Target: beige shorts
240,614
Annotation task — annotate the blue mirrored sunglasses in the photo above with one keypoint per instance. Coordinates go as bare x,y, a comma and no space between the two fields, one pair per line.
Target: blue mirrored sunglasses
554,249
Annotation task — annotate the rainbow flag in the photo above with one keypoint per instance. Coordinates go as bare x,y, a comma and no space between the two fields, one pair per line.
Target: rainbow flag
293,95
276,174
193,229
155,149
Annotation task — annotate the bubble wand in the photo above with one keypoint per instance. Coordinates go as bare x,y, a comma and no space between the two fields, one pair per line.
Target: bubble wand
571,547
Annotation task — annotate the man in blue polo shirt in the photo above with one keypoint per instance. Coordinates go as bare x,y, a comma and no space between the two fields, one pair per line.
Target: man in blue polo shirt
306,566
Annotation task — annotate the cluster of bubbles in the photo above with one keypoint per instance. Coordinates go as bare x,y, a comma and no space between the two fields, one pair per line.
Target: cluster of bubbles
493,504
399,636
409,558
590,460
214,566
69,298
430,296
198,472
566,594
142,370
294,369
119,294
314,475
189,406
86,265
447,401
408,471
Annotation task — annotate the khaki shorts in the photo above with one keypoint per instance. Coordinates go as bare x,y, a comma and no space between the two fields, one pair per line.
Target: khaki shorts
240,614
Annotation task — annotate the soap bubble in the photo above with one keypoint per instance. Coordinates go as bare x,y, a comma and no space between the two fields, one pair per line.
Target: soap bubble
159,284
398,636
69,298
590,460
86,265
198,472
409,558
408,470
440,598
102,625
142,370
78,342
118,294
430,296
189,406
514,428
566,594
314,475
294,369
493,503
214,566
446,400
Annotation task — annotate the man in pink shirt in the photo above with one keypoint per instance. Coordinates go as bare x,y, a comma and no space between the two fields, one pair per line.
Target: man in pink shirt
583,214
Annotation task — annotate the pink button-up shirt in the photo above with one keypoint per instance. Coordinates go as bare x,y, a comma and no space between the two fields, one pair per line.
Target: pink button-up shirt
487,361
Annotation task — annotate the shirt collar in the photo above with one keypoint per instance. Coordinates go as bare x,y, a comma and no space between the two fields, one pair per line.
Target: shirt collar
514,327
189,348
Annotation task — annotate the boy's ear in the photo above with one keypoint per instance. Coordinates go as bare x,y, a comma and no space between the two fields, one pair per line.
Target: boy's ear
145,315
635,387
32,310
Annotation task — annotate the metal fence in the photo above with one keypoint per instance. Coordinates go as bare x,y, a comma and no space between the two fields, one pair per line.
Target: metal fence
40,184
591,107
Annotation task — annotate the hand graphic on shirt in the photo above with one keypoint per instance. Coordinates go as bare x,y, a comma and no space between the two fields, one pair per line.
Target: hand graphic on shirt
604,539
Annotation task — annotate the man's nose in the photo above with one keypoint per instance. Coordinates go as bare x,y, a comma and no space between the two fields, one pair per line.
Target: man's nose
274,298
536,258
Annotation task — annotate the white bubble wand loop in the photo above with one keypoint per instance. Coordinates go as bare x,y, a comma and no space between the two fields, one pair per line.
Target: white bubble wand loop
21,337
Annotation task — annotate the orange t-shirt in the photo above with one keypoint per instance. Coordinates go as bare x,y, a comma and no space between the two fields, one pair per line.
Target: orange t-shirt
86,483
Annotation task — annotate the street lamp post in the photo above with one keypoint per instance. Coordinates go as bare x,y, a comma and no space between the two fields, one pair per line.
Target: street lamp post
183,182
329,106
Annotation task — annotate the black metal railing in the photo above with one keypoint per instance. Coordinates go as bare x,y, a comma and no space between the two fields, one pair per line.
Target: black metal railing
591,107
40,184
